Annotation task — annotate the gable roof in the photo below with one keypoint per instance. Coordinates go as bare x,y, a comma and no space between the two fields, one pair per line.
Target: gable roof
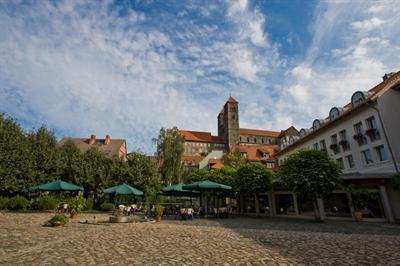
200,136
258,132
189,159
111,149
231,100
254,152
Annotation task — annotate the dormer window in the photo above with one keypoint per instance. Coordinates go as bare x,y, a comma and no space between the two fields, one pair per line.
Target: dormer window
334,113
316,124
302,133
357,98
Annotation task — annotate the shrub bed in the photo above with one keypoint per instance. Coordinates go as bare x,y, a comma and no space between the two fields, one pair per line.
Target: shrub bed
17,203
107,207
3,203
46,203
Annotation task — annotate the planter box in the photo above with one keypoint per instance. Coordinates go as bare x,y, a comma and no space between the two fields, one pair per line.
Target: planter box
117,219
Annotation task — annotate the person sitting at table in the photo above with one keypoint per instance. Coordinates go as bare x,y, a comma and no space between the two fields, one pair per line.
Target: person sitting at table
190,213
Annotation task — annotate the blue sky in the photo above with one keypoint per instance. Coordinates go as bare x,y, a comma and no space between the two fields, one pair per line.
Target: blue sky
127,68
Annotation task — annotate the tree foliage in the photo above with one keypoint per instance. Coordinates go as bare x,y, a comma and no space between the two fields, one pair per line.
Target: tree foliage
169,152
254,178
234,160
310,173
32,158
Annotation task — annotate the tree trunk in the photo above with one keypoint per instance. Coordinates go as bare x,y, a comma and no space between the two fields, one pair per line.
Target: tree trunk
257,204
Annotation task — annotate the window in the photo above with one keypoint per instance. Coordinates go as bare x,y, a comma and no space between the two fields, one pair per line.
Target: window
315,146
359,134
357,98
270,165
380,151
255,140
350,161
340,163
243,154
343,140
334,144
265,154
372,129
323,145
262,141
316,124
248,139
193,163
367,157
333,113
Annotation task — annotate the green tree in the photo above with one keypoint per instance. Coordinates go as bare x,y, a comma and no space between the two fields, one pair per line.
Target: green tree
234,160
169,151
15,158
44,152
143,173
311,174
71,162
253,179
97,171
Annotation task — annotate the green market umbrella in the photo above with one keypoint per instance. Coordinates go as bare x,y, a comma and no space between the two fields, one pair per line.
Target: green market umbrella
207,186
124,189
177,190
58,185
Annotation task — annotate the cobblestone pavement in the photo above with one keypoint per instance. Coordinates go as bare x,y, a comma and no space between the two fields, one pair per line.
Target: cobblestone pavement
236,241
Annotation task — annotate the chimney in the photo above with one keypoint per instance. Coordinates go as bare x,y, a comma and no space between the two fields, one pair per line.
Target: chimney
92,139
388,75
107,140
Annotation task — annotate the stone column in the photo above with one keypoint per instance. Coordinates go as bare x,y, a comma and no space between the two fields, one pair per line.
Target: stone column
386,204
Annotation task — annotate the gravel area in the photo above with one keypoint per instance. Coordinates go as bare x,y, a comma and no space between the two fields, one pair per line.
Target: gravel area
235,241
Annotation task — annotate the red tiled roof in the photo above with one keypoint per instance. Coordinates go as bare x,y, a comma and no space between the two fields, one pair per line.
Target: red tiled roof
258,132
254,151
189,159
200,136
231,100
215,164
110,149
373,94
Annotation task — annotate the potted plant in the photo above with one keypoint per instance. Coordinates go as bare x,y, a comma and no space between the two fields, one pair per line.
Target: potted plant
159,212
57,220
357,136
343,142
119,218
333,146
76,205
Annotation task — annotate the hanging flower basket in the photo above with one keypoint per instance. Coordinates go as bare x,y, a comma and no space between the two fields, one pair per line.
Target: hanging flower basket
333,146
357,136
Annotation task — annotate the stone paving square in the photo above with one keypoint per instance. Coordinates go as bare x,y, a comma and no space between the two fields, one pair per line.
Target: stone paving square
236,241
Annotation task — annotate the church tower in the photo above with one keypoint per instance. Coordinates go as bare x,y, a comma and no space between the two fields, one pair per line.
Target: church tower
228,123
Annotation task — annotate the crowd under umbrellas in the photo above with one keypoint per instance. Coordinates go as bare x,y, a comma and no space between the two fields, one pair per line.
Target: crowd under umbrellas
201,191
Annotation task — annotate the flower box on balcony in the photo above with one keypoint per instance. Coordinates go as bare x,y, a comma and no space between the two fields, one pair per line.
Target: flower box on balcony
343,142
370,131
333,146
358,136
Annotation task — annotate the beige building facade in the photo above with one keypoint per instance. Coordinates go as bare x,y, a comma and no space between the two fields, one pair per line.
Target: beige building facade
363,137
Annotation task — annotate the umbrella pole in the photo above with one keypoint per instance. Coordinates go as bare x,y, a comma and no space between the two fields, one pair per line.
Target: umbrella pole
205,205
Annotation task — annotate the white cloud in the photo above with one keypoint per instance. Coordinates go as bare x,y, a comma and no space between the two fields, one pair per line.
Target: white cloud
367,25
342,59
